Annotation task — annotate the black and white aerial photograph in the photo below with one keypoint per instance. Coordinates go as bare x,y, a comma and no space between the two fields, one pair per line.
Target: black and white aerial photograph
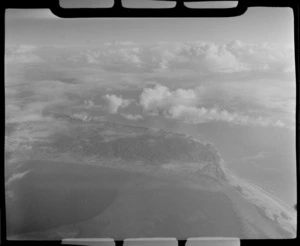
150,127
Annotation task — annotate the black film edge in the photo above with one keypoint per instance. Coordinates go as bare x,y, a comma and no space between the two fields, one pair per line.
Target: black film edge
119,11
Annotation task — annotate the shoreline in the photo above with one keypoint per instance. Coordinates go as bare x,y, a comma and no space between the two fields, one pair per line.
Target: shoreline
281,203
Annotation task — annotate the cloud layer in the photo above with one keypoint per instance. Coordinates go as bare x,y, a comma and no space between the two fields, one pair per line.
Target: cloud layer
187,105
194,82
198,56
132,117
22,54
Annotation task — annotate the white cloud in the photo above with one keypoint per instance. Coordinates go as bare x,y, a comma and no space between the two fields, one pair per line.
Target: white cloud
268,57
21,54
133,117
120,43
82,116
115,102
160,97
130,55
199,57
235,57
202,57
186,105
22,58
89,103
194,115
25,48
110,56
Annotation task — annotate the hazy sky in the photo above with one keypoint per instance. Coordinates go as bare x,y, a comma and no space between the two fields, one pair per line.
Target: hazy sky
41,27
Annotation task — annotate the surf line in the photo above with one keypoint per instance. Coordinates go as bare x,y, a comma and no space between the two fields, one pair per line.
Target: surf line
281,203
